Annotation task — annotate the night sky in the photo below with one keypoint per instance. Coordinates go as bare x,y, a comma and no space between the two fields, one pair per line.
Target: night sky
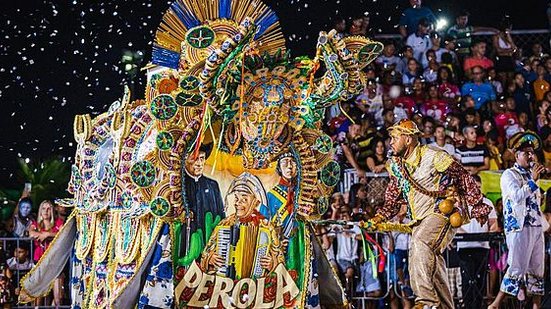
62,58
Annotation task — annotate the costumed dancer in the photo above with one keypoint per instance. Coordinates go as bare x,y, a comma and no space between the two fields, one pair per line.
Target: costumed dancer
522,222
437,191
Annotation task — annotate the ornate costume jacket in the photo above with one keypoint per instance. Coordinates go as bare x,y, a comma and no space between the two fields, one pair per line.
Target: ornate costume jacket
434,170
521,198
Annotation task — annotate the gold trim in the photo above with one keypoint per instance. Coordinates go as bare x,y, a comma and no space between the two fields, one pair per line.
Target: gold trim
22,281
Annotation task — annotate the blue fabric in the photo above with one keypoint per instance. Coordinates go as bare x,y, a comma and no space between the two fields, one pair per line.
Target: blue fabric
185,15
158,288
533,185
511,285
511,223
410,18
481,93
224,8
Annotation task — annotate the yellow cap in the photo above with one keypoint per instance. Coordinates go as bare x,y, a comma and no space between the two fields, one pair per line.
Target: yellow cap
404,127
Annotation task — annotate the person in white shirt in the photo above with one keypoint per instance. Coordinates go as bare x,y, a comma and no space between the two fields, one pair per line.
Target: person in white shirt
440,140
473,257
21,259
436,41
522,221
420,41
387,60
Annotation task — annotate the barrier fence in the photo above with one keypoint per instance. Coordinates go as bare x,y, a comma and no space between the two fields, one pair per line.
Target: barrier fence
524,39
8,247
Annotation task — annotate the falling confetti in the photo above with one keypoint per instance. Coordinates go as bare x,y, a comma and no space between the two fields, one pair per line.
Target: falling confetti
59,59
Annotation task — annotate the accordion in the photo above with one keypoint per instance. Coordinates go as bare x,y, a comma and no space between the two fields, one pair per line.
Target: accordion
242,247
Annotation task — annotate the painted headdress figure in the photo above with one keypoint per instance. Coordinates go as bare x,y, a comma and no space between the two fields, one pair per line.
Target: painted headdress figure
220,75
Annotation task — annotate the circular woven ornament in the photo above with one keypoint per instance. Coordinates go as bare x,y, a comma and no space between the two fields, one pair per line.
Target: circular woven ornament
159,206
143,174
330,174
164,140
163,107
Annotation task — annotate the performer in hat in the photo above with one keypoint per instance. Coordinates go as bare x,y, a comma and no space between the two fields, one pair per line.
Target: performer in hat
522,222
437,191
246,194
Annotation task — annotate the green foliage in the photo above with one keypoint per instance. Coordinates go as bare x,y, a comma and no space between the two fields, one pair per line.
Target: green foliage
49,180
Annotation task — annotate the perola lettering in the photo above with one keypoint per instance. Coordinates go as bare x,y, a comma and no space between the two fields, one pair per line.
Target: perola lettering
229,293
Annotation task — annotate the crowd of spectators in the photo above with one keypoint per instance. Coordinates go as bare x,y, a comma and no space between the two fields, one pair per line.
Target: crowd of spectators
468,95
24,237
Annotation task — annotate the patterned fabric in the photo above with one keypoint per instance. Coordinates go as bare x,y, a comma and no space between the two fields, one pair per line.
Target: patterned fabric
312,296
158,290
454,279
521,198
376,188
511,284
424,165
526,261
280,209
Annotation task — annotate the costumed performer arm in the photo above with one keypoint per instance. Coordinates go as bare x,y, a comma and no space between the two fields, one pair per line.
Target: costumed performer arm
470,191
517,193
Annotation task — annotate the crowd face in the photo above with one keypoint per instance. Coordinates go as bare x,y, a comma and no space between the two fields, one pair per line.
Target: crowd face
462,21
340,26
195,166
428,128
354,130
433,92
443,74
380,148
24,209
543,107
337,200
548,64
415,3
492,74
479,50
389,50
537,50
523,120
510,104
21,255
362,193
478,74
436,40
440,134
487,126
418,85
423,29
408,53
470,135
412,66
540,70
389,118
46,211
450,44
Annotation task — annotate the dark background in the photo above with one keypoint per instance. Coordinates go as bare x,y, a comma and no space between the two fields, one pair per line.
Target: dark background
62,58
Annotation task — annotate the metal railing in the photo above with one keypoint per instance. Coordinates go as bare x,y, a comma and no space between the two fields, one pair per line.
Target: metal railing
7,247
524,39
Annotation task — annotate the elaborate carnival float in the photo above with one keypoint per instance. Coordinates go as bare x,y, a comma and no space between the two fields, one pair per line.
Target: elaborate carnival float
202,194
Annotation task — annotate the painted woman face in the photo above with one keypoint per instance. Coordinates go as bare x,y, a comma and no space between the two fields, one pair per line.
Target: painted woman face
24,209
